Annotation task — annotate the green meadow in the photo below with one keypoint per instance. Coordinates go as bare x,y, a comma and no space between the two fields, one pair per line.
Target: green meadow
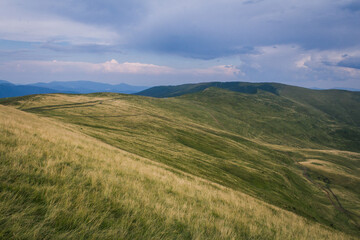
217,162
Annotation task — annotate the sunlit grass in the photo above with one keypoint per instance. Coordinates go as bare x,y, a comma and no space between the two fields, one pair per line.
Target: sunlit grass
253,144
59,183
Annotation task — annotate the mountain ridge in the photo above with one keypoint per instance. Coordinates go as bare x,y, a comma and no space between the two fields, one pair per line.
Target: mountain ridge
8,89
326,101
237,86
90,87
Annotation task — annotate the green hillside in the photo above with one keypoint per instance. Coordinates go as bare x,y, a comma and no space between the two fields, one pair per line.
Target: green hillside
243,87
340,104
338,110
190,162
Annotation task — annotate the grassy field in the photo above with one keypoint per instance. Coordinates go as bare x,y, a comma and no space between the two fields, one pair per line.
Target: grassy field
214,164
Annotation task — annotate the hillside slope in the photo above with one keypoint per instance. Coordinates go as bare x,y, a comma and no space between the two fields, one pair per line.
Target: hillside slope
265,145
174,91
58,183
337,103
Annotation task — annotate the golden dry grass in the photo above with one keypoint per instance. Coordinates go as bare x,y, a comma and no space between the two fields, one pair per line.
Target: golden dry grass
57,183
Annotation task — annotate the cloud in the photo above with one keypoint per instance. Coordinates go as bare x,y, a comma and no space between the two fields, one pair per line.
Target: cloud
301,63
200,29
307,43
115,72
353,6
292,64
113,66
134,68
212,29
20,23
350,62
83,48
99,12
281,63
252,1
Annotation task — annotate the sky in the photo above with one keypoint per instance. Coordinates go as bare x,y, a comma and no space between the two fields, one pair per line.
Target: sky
312,44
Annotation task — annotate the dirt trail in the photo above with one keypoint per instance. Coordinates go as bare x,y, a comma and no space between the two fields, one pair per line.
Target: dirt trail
220,125
332,197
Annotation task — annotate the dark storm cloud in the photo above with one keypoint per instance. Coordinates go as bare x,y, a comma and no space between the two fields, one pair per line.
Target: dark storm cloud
209,29
350,62
219,28
352,6
252,1
99,12
83,48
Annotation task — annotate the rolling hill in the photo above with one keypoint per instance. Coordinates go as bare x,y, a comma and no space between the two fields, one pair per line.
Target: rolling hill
243,87
251,161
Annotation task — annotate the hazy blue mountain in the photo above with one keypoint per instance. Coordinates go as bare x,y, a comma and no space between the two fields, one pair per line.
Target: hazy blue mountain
5,82
349,89
338,88
90,87
10,90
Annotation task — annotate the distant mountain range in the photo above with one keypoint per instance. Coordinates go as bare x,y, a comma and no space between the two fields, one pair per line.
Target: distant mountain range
8,89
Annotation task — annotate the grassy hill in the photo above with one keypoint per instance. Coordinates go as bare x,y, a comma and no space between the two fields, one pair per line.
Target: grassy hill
337,110
243,87
329,101
211,164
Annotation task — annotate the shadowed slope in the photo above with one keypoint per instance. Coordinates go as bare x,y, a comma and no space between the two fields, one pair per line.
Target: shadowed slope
243,87
336,104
